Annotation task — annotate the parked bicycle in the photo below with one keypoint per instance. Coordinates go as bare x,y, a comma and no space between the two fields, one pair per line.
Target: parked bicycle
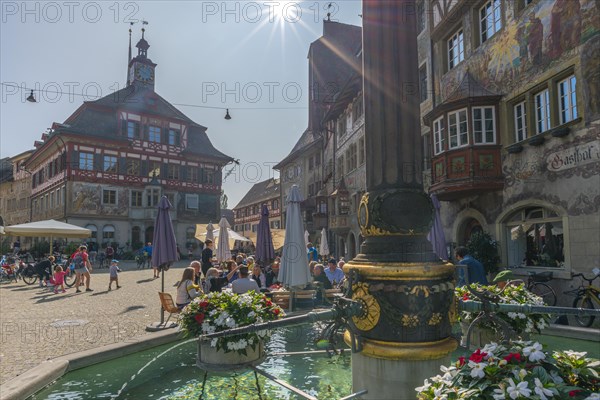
536,285
102,260
586,296
30,274
142,260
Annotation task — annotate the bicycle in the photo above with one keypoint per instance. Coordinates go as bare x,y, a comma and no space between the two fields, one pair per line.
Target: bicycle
102,261
586,297
536,285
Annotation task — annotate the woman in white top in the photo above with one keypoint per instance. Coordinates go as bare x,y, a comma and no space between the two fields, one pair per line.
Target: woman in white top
186,289
259,276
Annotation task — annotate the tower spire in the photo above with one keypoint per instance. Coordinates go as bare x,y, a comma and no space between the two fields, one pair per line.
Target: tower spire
129,55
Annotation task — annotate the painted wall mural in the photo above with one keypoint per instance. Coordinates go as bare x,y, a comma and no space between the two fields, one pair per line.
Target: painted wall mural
87,199
549,32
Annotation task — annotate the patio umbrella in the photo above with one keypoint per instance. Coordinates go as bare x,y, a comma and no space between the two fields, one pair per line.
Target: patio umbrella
264,243
436,234
209,232
49,228
231,234
223,251
306,238
293,271
324,247
164,251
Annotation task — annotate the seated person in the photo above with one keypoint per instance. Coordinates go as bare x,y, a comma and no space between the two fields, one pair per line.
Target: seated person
232,266
334,273
186,289
259,277
272,274
244,284
320,277
214,282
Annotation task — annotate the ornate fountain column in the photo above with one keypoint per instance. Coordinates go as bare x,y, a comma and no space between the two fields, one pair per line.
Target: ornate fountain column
405,289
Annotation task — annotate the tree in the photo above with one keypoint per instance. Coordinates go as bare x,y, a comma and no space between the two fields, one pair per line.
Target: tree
484,248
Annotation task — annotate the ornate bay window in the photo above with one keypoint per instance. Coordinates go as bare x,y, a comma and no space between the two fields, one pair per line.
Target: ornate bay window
466,149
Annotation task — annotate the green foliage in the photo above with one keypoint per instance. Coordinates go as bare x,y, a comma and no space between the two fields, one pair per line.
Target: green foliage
484,248
40,249
72,247
5,246
128,255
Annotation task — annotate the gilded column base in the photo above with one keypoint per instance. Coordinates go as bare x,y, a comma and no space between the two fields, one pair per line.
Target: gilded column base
416,351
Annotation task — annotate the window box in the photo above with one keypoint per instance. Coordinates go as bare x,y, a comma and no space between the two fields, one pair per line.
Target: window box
537,140
561,132
514,149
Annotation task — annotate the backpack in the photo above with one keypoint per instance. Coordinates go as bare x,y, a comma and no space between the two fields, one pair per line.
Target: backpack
78,261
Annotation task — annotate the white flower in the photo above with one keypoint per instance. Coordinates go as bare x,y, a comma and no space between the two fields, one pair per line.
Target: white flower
449,372
438,394
593,396
520,389
425,387
213,343
541,391
534,352
477,369
576,354
230,322
251,314
499,394
512,315
556,378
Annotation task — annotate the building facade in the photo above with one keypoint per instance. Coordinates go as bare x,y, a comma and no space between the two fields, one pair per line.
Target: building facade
246,214
107,166
332,62
511,107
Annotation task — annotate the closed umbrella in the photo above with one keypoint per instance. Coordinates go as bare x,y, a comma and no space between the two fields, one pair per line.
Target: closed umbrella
293,271
324,247
264,243
436,234
209,232
306,238
164,251
223,251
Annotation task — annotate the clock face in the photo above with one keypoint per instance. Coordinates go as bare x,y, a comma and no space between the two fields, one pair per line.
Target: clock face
144,73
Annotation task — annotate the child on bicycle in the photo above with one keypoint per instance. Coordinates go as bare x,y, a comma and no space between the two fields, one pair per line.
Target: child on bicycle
114,274
58,279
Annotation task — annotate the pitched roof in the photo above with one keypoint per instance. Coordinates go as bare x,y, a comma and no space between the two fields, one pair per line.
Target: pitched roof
6,170
469,87
93,119
307,139
262,191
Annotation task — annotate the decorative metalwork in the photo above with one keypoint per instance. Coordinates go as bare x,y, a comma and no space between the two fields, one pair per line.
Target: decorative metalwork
371,309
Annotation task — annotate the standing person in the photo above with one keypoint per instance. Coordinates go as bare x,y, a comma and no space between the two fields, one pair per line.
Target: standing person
113,271
59,279
475,270
93,251
16,247
244,284
147,251
109,252
82,268
207,255
186,289
312,253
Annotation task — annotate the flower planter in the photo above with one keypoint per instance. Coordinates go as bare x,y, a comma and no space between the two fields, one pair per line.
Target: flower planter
479,336
210,359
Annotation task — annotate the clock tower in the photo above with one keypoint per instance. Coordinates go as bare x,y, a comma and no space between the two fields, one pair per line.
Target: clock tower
141,68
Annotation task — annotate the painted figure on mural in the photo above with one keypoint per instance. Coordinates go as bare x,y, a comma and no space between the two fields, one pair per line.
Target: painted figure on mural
534,32
565,27
590,55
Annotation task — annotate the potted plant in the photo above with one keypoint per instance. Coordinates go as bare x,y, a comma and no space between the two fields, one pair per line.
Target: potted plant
519,370
220,311
521,324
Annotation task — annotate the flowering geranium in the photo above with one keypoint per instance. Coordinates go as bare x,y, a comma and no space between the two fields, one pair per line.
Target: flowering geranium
520,323
517,370
219,311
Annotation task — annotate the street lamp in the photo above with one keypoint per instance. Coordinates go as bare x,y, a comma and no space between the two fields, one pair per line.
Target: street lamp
31,97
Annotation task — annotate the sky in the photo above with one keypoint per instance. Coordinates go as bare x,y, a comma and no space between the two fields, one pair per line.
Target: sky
247,56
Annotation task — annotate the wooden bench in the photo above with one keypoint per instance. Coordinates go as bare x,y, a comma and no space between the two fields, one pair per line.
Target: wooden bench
301,298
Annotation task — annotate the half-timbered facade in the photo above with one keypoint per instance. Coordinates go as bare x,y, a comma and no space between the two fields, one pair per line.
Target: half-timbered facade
107,166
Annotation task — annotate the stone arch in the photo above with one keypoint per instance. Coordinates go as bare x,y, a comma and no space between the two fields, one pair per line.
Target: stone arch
351,246
466,223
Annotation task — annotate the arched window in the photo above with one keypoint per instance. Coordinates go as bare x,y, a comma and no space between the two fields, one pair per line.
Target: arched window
535,238
135,235
190,234
108,233
94,230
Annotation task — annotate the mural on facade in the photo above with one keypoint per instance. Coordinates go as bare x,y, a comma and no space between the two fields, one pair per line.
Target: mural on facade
550,32
88,200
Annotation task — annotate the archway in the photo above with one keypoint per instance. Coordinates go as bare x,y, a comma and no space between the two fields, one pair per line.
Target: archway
149,234
136,236
470,227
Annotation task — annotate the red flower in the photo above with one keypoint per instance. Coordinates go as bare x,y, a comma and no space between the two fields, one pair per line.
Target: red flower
276,311
465,297
199,318
203,304
477,356
513,356
573,393
269,304
461,361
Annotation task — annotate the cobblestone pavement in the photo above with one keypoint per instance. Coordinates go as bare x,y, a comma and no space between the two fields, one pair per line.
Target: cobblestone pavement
36,324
